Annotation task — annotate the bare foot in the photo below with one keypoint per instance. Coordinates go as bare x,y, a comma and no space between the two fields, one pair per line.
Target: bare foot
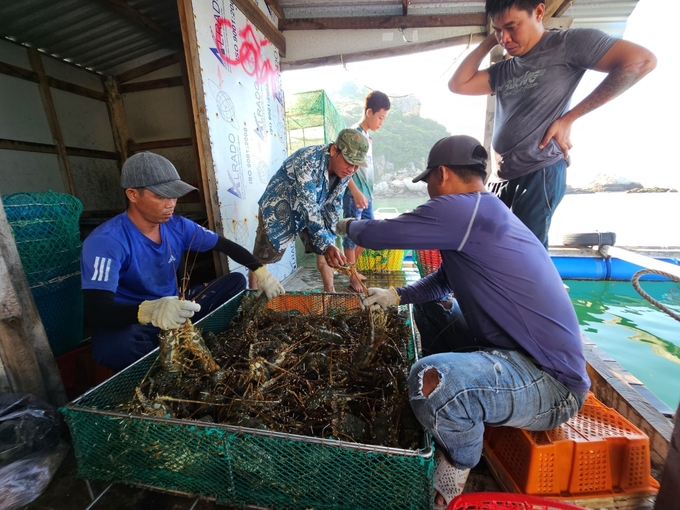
361,277
356,284
439,499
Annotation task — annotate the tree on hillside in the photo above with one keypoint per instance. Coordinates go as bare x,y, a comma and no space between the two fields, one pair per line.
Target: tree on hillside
406,138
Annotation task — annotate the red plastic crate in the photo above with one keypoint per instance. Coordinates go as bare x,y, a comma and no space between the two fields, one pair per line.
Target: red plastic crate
503,500
427,261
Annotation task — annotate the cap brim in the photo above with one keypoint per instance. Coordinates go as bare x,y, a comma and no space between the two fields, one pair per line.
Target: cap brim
172,189
357,162
354,161
422,174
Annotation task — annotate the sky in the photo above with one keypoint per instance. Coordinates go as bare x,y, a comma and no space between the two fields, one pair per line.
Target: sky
627,139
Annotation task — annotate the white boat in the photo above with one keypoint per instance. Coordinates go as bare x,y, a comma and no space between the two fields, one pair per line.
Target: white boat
385,213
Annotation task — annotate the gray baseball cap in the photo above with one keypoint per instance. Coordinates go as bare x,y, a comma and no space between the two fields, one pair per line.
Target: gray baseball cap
155,173
459,150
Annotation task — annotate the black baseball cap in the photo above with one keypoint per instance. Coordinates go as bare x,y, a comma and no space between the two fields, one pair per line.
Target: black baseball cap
458,150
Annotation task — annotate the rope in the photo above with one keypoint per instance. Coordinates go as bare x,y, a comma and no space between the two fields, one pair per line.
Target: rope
636,285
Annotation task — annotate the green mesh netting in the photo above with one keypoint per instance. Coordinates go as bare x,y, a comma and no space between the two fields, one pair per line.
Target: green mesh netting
242,466
47,236
311,119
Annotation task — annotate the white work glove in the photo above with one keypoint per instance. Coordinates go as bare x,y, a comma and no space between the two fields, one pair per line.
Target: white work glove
341,226
380,298
167,312
268,283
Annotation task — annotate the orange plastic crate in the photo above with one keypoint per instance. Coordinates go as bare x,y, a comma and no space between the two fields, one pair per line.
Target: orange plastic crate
313,303
503,501
427,261
596,453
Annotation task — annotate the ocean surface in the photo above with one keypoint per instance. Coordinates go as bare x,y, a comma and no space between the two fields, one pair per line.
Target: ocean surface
638,219
639,336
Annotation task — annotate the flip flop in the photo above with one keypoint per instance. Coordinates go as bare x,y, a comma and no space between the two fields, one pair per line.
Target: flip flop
449,481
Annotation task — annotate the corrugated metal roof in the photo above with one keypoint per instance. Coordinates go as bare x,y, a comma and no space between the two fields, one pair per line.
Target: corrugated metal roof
95,34
110,36
342,8
607,15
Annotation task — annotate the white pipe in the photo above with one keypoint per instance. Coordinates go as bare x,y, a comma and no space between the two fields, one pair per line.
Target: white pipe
640,260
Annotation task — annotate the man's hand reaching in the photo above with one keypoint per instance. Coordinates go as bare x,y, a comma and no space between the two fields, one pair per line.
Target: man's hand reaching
378,298
167,312
334,257
341,226
360,199
268,283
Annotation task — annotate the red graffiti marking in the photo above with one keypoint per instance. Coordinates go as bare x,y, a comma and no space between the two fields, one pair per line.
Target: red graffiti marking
249,52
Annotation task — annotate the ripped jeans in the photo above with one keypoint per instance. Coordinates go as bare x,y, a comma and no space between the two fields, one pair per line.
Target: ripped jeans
491,385
497,387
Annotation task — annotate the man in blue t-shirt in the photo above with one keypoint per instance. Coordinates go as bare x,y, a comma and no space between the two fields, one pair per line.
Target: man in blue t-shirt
129,266
507,350
533,92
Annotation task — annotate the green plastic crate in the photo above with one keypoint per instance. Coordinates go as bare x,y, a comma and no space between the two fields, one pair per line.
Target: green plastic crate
242,466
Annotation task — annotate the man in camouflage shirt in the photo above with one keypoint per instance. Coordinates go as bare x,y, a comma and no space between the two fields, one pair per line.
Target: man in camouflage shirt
304,198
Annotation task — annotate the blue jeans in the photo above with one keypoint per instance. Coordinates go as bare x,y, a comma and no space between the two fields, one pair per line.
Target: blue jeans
350,210
533,198
489,386
444,330
116,348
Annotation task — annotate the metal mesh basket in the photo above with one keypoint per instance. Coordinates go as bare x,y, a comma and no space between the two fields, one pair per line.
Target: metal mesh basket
239,465
47,235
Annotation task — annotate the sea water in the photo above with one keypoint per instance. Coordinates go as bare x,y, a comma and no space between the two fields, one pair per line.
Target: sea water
639,336
638,219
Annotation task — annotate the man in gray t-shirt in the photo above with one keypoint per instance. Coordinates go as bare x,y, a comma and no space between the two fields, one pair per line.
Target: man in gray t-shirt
533,94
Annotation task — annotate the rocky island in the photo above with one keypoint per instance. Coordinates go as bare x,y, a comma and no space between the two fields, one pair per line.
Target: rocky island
395,183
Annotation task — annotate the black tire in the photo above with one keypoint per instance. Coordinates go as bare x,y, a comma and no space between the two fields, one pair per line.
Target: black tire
589,239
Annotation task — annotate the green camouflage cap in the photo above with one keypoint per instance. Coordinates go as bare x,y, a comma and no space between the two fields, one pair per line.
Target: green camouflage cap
353,146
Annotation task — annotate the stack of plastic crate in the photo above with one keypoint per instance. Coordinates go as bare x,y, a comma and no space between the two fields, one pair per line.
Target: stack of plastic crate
596,454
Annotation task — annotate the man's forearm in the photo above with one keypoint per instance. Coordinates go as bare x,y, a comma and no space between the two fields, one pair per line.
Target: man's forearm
619,79
352,187
470,65
433,287
102,311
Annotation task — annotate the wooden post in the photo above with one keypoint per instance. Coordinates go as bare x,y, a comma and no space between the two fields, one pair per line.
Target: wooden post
192,128
26,360
200,120
114,103
492,165
667,498
52,120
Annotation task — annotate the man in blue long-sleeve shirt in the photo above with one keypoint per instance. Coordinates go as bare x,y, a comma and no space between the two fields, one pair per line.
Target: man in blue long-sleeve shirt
507,350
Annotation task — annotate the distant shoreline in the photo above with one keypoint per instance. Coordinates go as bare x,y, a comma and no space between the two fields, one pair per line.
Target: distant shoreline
616,188
407,193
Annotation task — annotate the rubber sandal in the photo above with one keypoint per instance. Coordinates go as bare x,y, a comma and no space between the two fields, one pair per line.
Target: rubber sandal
449,481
